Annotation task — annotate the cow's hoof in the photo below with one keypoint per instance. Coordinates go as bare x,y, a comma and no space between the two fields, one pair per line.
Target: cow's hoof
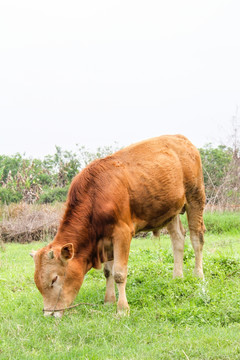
109,300
199,273
123,312
178,275
109,303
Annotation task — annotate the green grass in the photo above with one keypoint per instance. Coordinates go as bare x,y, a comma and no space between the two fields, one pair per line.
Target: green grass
170,319
218,222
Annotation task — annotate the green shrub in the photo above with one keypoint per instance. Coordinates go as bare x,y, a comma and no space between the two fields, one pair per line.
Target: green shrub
8,196
54,195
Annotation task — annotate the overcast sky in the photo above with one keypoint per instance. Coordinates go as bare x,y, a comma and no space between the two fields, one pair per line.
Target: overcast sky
95,72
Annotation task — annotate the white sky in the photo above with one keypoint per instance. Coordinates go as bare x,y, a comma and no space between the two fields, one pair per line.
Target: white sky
96,72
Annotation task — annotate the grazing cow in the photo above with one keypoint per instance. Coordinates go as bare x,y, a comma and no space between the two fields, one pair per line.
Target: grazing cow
142,187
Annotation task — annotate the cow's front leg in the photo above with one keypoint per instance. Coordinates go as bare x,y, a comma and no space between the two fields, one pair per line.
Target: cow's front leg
110,296
121,246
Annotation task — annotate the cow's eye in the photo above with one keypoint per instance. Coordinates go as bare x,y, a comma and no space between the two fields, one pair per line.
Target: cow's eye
54,280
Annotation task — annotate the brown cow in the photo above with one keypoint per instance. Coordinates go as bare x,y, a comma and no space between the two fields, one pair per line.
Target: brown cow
142,187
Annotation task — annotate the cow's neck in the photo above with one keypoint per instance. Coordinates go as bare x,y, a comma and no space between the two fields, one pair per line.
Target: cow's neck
80,233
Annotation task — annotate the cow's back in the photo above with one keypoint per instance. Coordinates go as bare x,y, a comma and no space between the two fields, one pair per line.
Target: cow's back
162,173
152,150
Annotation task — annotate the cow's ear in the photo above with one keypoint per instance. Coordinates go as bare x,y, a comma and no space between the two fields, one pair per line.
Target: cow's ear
67,252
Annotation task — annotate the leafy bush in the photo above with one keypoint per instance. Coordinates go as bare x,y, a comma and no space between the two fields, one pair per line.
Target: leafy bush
221,170
56,194
8,196
216,162
9,164
31,180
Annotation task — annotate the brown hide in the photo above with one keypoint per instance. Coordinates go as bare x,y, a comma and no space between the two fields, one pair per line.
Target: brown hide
143,187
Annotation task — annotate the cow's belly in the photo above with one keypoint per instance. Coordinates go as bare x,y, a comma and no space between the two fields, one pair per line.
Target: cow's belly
156,218
154,203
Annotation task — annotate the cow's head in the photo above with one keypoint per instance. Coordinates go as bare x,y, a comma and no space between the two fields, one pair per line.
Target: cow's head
58,276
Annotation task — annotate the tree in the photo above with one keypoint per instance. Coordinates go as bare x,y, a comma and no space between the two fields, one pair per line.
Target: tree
31,180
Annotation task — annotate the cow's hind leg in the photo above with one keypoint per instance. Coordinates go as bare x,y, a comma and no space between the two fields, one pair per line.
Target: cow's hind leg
121,246
110,296
197,228
176,232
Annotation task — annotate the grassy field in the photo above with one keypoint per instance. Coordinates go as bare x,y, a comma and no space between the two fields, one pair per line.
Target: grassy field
170,319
